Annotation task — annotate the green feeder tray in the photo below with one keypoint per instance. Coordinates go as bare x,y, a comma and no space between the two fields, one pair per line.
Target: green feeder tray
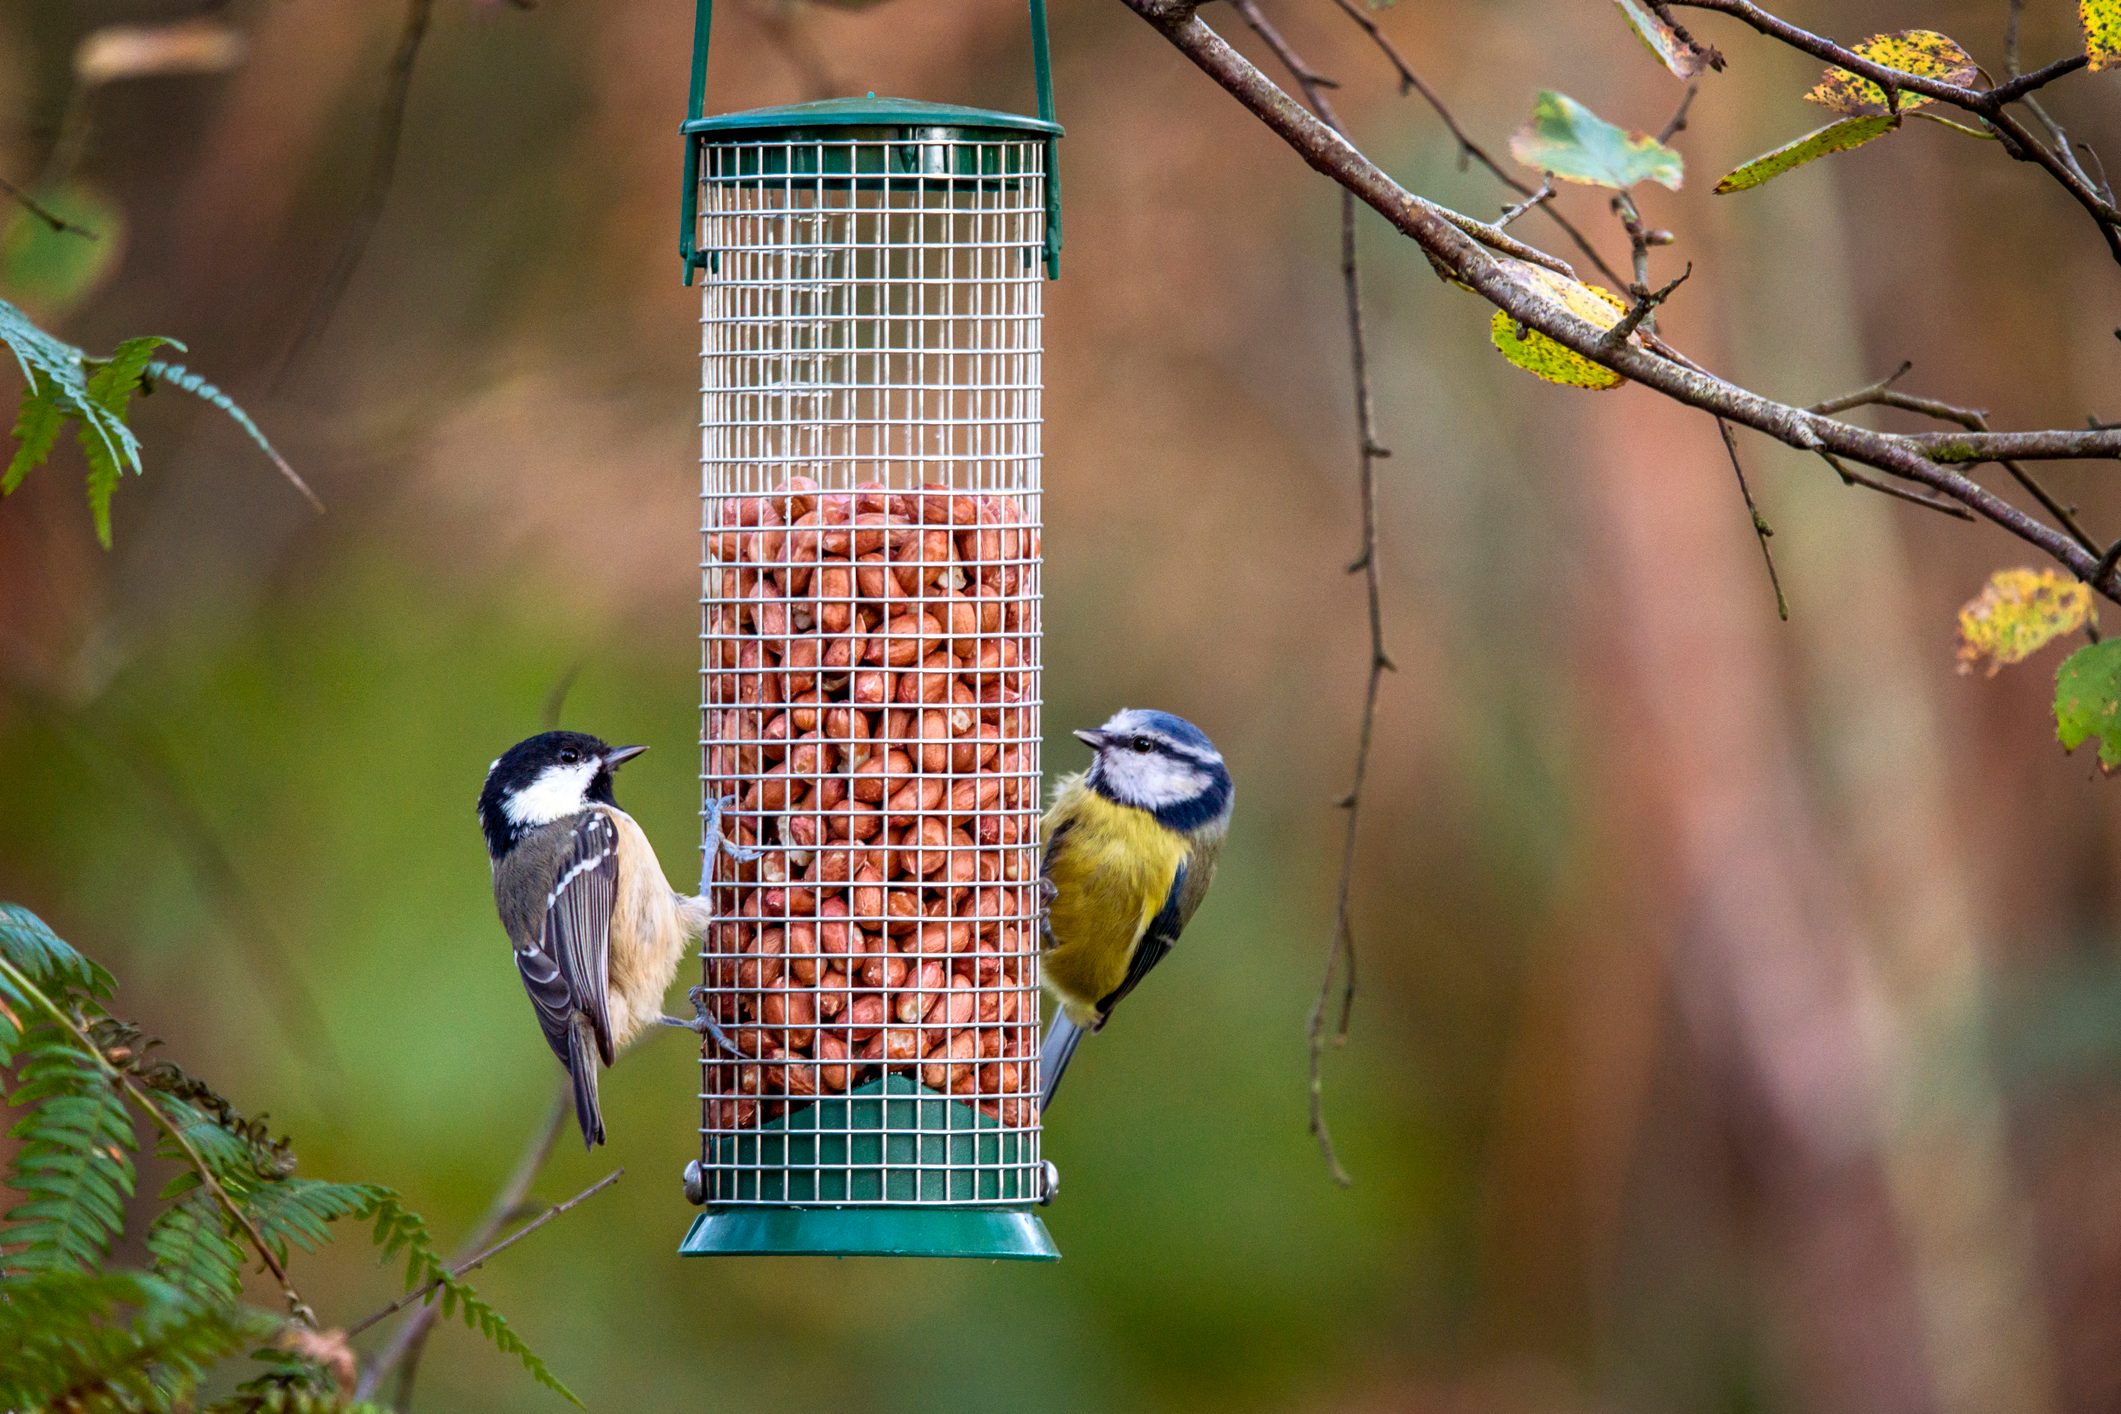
892,1170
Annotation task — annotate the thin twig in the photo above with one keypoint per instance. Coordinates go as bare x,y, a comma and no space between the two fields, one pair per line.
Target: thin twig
1886,488
479,1259
1511,213
1646,300
44,213
382,170
1761,529
1468,150
1884,394
1340,953
1676,124
405,1344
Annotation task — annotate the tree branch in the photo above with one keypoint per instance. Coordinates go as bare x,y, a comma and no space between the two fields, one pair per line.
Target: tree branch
1988,104
1424,222
44,213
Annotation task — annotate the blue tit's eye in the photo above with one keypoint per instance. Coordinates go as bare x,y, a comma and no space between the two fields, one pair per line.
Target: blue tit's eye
1143,743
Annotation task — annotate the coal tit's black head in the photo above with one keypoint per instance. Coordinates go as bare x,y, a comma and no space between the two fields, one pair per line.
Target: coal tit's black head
545,778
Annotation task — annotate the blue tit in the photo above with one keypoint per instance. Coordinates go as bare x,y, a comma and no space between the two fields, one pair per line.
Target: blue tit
1131,846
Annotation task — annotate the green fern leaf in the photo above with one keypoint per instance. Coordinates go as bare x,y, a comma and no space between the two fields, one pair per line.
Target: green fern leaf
47,960
193,1249
74,1165
178,376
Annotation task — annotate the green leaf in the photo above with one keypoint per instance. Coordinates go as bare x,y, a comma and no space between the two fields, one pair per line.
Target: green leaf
1683,59
52,271
1834,137
2088,701
37,428
2102,32
1569,140
1547,358
2018,613
1921,52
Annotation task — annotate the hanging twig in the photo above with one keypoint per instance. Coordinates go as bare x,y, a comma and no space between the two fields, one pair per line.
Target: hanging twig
1762,531
1340,952
382,170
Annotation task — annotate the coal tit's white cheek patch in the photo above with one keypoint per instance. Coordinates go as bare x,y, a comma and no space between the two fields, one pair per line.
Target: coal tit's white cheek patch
559,791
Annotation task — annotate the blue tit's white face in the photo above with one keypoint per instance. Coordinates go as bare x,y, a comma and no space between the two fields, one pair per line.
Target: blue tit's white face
1162,764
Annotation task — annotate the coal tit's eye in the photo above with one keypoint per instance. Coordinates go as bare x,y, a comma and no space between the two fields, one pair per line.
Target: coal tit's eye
569,756
1143,743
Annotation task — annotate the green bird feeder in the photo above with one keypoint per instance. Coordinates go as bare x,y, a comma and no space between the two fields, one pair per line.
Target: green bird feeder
872,272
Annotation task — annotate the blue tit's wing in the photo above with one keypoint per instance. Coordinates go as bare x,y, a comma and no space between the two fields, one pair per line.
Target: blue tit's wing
1156,939
1047,887
566,970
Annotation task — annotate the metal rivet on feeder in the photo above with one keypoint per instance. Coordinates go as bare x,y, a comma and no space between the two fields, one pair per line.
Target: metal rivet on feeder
870,352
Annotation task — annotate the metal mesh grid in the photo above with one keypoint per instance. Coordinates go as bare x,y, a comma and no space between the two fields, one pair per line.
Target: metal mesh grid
870,358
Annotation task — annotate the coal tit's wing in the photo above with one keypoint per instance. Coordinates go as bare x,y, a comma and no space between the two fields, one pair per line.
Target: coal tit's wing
566,969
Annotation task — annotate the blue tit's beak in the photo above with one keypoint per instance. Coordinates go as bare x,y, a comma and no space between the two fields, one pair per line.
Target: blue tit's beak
620,755
1094,740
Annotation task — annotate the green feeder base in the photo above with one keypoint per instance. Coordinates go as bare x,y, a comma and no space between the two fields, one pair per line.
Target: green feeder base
998,1234
892,1170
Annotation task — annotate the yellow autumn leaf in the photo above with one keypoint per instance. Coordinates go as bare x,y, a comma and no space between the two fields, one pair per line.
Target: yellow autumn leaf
2018,613
1921,52
2102,32
1541,356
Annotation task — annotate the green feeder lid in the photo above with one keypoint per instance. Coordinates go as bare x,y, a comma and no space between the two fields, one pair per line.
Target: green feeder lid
829,118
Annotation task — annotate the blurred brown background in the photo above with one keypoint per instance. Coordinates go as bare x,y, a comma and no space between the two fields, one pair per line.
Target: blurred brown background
1741,1016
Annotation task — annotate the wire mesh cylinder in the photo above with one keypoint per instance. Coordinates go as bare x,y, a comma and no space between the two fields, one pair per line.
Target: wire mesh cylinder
870,351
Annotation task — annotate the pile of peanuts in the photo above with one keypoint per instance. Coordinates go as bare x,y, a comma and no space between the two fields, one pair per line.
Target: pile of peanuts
870,670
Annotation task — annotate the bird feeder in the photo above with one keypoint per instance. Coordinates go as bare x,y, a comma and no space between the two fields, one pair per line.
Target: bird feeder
871,275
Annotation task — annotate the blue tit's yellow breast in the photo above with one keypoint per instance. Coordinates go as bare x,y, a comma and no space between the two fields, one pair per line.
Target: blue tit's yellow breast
1112,866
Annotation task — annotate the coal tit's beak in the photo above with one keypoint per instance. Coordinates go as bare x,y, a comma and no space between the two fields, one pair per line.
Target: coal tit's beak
620,755
1094,740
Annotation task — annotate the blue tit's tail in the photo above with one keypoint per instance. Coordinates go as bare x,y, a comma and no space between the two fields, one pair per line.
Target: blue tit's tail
582,1058
1062,1037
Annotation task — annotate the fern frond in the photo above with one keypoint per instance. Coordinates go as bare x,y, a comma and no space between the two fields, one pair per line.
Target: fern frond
399,1230
45,958
73,1165
300,1211
118,1340
178,376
